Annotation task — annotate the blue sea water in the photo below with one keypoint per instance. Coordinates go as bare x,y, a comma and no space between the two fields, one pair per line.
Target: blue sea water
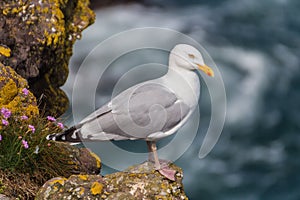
256,46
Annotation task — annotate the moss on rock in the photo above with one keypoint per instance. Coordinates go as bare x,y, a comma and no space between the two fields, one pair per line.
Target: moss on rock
36,41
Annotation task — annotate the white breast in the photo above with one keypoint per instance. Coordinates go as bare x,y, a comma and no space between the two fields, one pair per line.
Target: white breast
185,84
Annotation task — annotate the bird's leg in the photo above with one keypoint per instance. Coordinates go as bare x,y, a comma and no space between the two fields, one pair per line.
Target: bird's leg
156,160
150,154
165,170
153,153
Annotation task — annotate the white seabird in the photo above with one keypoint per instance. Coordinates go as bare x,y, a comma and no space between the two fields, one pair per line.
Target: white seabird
148,111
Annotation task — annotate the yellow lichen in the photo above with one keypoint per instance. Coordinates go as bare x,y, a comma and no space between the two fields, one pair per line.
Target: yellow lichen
55,188
16,10
83,177
160,197
50,23
5,51
96,188
71,162
8,92
98,161
12,96
81,192
31,110
59,180
164,186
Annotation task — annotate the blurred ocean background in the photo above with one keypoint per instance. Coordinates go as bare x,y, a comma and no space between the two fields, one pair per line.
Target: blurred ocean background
256,46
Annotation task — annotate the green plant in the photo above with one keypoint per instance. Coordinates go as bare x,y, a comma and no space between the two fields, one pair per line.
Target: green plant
26,157
24,148
2,187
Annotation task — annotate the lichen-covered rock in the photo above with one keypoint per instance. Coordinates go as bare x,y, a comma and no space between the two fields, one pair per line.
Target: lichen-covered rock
144,182
75,187
82,160
137,182
3,197
36,41
14,94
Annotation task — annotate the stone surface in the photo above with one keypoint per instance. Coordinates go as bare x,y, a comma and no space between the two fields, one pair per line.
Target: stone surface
137,182
82,160
79,161
3,197
12,95
75,187
36,41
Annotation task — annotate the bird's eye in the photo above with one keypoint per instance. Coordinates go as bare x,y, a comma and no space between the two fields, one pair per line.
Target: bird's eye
191,56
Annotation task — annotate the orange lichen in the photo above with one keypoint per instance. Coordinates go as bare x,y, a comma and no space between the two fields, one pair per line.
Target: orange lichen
12,96
50,29
8,92
96,188
81,192
58,180
98,161
5,51
83,177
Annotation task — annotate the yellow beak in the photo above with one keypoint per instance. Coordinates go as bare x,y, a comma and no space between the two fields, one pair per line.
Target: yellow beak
206,69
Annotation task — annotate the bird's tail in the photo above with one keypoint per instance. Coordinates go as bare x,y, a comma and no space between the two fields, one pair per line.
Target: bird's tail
69,135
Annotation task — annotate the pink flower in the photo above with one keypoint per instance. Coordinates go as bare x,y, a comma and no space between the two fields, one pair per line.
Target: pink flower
4,122
24,117
25,144
51,119
5,113
25,91
60,125
31,127
0,137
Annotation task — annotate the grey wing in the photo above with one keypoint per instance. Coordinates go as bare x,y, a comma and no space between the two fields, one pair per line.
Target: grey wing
135,114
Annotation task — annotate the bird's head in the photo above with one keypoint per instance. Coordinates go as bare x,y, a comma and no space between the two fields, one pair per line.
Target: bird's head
188,57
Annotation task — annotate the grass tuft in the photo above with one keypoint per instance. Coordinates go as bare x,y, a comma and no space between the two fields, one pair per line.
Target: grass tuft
26,156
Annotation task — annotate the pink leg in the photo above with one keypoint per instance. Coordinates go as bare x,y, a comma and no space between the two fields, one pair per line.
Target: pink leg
153,154
150,154
165,170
